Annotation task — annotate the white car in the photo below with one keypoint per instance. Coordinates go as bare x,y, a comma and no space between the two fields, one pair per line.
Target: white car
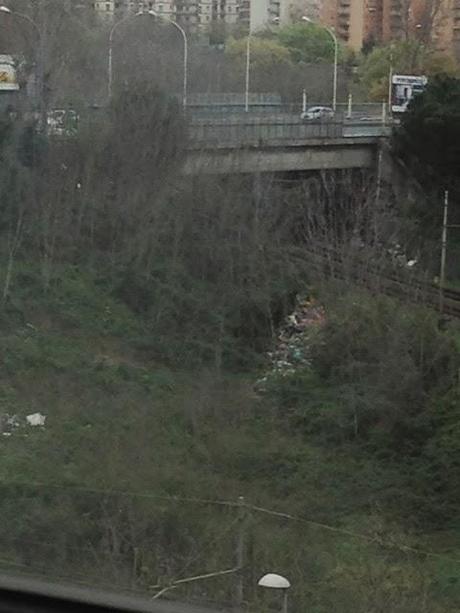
316,113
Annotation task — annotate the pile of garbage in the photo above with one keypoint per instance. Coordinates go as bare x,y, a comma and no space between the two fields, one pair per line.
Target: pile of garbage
11,423
291,349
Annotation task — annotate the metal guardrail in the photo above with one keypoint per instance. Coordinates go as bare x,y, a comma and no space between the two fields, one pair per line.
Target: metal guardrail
269,106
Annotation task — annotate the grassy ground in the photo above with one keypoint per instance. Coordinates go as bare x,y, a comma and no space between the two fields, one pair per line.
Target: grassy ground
119,419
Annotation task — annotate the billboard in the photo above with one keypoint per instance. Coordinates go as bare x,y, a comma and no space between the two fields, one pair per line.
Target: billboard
403,89
8,75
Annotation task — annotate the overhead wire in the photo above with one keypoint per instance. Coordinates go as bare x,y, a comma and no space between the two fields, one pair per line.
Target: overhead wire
234,504
345,532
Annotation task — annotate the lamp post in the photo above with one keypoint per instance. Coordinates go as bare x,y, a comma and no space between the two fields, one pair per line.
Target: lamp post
40,59
276,582
110,64
185,61
152,13
331,33
248,66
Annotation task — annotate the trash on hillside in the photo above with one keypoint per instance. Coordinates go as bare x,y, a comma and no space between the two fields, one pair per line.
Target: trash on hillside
36,419
8,423
291,349
399,257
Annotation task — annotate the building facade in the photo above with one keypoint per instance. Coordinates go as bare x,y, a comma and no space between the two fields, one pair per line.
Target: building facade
193,15
263,14
358,23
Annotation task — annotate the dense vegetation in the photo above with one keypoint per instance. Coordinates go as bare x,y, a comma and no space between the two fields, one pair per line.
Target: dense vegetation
427,141
137,308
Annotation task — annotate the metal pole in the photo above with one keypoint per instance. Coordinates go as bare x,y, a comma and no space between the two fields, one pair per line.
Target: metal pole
442,274
185,64
40,58
336,56
184,95
336,59
110,62
304,101
285,601
390,78
248,63
184,86
239,592
110,69
350,103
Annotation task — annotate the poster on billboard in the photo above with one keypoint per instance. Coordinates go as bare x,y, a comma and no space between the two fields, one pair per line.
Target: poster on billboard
403,89
8,75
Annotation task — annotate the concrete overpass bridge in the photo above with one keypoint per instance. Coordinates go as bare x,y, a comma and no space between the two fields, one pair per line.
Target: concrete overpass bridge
278,144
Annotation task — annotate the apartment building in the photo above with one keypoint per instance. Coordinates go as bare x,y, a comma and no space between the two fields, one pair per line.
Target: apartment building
193,15
354,21
108,9
293,10
361,22
263,14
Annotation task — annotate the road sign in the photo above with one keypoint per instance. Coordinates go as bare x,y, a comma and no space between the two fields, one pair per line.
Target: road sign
403,89
8,76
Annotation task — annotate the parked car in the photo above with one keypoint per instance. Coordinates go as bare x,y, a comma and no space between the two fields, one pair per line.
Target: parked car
315,113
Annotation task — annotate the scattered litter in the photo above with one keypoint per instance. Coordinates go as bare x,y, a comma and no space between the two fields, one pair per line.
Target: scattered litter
8,423
399,257
292,344
11,423
36,419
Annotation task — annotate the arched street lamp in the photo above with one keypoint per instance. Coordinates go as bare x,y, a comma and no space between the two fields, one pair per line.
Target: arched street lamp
152,13
185,61
111,37
331,33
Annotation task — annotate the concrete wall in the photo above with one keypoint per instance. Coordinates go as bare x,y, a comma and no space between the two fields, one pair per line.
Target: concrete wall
281,159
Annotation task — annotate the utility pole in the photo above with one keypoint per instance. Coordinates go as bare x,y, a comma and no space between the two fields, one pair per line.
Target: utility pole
390,83
240,547
247,73
442,273
42,58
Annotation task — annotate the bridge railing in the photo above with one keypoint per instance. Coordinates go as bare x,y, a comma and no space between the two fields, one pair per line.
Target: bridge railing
369,110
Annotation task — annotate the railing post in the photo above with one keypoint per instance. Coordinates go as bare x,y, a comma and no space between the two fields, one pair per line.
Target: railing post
240,547
442,273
